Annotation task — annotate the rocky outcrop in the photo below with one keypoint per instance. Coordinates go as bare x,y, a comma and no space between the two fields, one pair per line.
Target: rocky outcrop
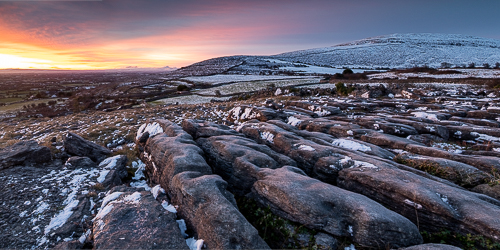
175,161
24,153
76,145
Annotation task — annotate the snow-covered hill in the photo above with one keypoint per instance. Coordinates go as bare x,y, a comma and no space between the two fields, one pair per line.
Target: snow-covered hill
383,52
403,51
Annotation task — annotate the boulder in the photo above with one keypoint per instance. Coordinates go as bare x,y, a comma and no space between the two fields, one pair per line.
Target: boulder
211,211
76,145
135,220
75,162
237,160
433,206
24,153
320,206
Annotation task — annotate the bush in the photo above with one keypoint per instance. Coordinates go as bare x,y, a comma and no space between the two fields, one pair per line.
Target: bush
347,72
182,88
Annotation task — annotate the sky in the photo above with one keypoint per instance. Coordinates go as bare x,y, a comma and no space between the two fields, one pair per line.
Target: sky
111,34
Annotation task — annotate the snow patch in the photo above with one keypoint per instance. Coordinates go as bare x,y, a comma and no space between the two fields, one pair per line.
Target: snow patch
157,190
268,136
348,144
152,128
294,121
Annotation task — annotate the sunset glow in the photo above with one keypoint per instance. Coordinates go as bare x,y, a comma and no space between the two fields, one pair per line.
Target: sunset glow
154,34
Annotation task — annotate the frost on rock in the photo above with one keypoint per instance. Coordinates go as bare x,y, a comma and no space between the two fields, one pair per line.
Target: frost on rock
156,190
294,121
268,136
152,128
348,144
194,244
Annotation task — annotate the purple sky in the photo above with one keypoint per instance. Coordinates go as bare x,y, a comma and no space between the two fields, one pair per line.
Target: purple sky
155,33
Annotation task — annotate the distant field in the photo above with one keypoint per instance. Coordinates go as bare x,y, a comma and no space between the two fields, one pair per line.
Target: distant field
19,106
221,79
242,87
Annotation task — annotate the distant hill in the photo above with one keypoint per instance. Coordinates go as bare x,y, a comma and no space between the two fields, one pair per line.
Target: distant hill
403,51
382,52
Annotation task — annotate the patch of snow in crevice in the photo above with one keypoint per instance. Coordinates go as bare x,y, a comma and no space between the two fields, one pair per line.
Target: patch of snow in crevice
182,227
194,244
168,207
156,190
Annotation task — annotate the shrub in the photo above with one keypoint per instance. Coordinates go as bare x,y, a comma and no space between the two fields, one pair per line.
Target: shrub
182,88
347,72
